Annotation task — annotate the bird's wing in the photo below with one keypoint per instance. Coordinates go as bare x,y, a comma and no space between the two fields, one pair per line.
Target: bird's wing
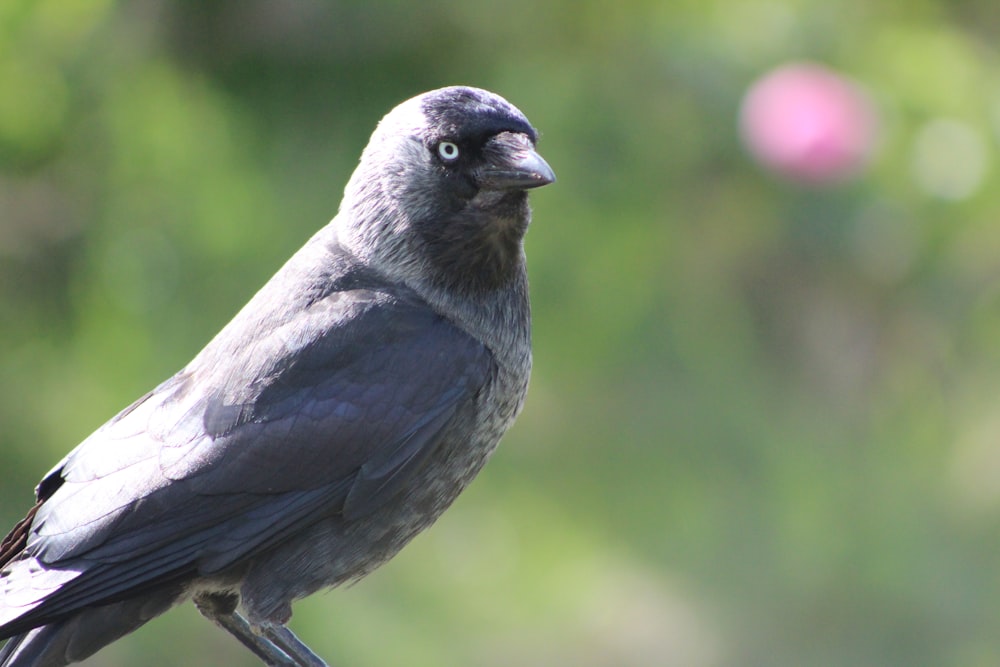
316,420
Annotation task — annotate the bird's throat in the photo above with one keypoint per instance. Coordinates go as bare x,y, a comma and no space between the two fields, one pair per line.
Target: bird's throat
478,248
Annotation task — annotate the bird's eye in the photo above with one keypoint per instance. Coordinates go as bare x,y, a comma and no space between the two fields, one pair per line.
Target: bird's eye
448,151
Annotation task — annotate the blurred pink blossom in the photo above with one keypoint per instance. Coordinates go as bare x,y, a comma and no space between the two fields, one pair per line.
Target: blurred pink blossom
809,124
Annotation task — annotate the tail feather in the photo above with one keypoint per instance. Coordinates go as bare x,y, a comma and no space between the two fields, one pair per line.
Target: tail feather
81,635
44,646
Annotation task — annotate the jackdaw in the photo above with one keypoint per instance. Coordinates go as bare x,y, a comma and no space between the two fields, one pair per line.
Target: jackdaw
336,416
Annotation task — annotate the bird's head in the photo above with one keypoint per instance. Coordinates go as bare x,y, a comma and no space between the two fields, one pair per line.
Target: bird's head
440,192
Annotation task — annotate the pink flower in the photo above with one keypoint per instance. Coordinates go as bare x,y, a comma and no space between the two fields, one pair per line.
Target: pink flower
809,124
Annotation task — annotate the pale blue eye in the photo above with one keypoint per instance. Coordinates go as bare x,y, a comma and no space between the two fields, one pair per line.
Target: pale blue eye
448,151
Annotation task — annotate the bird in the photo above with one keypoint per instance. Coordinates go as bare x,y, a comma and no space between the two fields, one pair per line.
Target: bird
336,416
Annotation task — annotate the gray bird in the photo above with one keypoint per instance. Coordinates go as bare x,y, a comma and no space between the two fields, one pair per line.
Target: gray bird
336,416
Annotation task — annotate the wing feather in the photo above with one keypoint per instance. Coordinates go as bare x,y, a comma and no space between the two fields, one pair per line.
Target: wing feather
328,414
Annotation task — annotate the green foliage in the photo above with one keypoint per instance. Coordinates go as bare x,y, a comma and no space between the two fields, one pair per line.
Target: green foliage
762,426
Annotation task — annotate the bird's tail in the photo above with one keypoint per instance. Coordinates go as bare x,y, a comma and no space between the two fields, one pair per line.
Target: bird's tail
84,633
32,648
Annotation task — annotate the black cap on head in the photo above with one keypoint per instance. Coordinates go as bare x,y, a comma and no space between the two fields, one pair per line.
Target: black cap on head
460,111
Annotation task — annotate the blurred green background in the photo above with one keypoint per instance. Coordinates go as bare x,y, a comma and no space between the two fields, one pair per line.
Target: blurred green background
764,421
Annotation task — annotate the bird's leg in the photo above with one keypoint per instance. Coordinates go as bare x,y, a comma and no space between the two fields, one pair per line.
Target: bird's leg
221,610
286,640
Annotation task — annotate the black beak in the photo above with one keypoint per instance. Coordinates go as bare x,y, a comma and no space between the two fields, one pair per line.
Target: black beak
513,164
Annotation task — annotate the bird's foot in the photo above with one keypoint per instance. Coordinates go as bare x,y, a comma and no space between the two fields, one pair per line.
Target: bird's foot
274,644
